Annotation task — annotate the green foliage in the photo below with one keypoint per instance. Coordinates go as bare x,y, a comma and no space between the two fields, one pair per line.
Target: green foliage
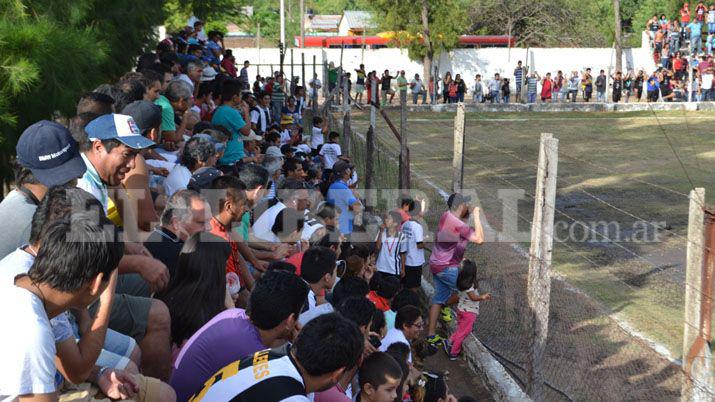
447,20
51,52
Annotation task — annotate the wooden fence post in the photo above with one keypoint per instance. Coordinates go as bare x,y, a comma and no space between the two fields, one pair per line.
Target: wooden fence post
539,281
404,151
458,158
346,119
302,70
370,150
700,267
326,89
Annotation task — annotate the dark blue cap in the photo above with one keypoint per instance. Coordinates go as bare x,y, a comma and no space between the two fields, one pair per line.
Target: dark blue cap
50,152
203,178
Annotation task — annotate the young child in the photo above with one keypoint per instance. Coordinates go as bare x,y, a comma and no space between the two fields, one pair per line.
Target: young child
391,247
387,288
711,19
317,137
467,308
379,377
330,153
415,258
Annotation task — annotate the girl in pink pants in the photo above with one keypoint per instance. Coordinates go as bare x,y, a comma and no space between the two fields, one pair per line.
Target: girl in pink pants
467,308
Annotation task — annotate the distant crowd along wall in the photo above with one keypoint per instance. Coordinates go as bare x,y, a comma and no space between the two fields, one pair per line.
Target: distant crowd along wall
468,62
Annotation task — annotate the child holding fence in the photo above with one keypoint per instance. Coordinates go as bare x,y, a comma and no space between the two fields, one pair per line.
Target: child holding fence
467,307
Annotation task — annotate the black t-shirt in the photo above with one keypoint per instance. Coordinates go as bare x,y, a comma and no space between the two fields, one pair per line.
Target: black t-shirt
617,85
386,82
165,246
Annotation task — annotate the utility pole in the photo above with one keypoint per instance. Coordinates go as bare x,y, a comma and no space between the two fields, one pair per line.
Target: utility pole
302,23
618,34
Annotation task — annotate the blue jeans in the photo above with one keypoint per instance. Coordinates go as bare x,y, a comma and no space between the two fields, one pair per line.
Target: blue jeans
505,99
494,96
711,27
445,283
478,98
696,44
531,97
416,96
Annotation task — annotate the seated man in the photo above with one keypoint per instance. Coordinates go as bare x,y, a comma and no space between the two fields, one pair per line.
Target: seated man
185,214
67,273
408,326
272,319
198,152
33,176
293,194
175,101
319,271
324,350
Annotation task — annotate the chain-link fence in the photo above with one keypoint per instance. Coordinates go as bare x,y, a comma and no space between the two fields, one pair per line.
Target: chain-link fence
621,213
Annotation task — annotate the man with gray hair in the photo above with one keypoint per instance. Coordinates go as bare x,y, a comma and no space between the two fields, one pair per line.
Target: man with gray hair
191,74
176,100
198,152
185,214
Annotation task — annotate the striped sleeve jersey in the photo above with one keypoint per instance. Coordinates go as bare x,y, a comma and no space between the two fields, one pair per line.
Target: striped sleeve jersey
269,375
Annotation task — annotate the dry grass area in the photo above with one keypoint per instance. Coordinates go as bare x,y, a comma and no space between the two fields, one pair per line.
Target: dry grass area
616,171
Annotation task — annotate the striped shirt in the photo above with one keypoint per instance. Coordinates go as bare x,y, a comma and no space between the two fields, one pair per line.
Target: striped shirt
392,251
269,376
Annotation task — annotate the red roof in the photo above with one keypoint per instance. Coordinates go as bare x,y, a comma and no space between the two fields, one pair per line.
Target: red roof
327,41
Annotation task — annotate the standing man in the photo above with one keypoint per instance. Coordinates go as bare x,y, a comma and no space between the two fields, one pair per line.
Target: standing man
418,88
601,87
495,89
243,78
360,84
453,236
343,197
278,97
402,82
386,88
519,73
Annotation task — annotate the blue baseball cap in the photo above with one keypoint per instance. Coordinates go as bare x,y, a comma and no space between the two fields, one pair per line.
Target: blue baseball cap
119,127
50,152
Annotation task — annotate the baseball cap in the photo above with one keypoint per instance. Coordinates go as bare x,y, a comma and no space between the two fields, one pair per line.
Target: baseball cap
50,152
340,166
118,127
253,137
208,74
146,114
286,119
457,199
202,178
273,151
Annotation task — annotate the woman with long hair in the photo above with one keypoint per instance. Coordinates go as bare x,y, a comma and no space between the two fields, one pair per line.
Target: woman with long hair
197,292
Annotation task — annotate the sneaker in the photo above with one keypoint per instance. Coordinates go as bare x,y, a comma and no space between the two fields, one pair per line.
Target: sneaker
447,346
435,340
447,314
453,357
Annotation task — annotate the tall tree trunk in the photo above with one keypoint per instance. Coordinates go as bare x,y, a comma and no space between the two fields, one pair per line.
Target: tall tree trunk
617,26
429,54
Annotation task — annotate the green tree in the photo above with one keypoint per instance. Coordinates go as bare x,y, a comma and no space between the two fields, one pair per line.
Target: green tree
50,53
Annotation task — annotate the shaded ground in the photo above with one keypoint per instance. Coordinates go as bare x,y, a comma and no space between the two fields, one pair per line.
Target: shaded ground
616,168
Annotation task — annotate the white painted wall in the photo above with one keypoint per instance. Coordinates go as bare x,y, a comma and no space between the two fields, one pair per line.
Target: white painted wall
468,62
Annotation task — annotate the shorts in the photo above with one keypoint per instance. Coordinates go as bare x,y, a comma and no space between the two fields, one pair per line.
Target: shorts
413,277
133,284
445,283
116,351
130,315
359,88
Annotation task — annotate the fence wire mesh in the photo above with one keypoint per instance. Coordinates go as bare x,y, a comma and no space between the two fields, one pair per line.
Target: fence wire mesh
616,303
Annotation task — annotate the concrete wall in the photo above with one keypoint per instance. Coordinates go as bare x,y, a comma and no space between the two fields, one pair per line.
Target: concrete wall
468,62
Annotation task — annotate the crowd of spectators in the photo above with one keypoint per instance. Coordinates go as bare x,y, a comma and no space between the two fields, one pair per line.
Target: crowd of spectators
183,238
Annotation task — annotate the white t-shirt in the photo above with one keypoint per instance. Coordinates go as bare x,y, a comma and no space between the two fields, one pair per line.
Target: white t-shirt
316,139
304,148
414,233
330,151
467,304
18,263
389,260
394,336
177,180
417,87
707,81
311,226
28,348
263,225
285,137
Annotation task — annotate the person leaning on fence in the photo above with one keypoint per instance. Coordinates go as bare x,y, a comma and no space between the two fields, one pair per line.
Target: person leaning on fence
453,236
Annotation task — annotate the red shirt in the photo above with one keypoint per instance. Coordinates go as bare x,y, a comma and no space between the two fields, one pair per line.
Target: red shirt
228,65
296,259
684,15
700,12
380,302
218,229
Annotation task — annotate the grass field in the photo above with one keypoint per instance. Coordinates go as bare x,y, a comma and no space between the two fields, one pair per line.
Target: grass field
616,171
